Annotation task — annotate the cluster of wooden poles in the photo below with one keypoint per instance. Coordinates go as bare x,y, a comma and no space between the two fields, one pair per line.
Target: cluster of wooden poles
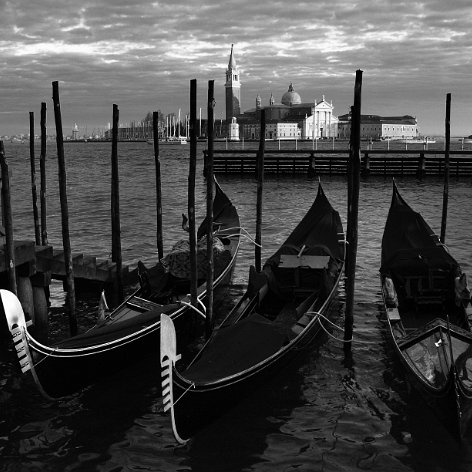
41,235
354,171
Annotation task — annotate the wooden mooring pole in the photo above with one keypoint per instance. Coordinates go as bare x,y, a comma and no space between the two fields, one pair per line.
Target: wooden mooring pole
260,186
191,203
446,168
34,192
209,207
70,286
42,167
115,207
353,211
8,222
155,133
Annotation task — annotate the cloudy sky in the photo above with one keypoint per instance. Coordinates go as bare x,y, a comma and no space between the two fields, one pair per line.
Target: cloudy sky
142,55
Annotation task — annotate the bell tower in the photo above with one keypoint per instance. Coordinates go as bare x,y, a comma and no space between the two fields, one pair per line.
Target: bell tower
233,89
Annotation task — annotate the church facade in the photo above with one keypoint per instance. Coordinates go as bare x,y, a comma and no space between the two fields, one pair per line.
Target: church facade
294,119
289,119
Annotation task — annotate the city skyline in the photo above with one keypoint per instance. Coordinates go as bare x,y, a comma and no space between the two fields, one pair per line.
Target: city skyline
143,55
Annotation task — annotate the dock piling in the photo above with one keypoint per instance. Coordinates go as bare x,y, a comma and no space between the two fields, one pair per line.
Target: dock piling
209,216
115,207
70,286
155,133
8,221
260,185
446,168
34,192
353,211
43,186
191,198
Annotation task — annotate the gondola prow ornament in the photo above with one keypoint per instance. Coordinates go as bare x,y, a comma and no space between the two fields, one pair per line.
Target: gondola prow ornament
169,357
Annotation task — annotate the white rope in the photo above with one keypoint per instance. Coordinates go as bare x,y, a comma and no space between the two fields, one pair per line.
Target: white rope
192,385
192,307
245,234
44,358
331,323
202,305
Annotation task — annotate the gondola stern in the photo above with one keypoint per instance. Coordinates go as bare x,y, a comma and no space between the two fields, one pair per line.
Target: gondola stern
168,358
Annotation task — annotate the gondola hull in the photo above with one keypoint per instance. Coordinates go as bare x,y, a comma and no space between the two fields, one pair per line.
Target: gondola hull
129,333
282,314
200,404
427,303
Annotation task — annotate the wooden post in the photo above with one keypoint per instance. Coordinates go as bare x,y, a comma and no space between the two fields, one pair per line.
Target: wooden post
311,165
34,193
155,129
210,196
42,166
191,201
446,168
8,222
115,206
353,210
70,286
349,175
421,166
260,185
366,171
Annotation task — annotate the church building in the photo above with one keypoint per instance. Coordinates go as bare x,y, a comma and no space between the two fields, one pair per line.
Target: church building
294,119
289,119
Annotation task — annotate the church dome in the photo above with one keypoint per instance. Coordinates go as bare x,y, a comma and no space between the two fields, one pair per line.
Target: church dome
291,97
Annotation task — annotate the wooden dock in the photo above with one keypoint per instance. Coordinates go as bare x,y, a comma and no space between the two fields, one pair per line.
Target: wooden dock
419,163
43,263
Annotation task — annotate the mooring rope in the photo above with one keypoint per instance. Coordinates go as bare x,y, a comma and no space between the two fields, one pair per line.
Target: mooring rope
192,385
245,234
332,324
194,308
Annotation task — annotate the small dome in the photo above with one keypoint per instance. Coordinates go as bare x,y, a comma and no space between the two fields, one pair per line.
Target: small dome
291,97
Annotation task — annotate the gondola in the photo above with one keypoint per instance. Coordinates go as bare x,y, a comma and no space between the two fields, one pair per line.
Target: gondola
280,315
428,309
130,332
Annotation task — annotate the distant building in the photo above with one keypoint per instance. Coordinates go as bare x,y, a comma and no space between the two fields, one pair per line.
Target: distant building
294,119
233,89
75,132
290,119
377,127
234,130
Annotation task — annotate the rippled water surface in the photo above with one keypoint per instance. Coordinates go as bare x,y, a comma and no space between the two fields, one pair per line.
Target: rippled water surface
322,415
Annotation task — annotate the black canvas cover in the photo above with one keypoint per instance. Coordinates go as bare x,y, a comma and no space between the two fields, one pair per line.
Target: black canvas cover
409,245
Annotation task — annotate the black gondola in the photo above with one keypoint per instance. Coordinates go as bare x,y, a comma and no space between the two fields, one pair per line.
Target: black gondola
279,316
131,331
428,311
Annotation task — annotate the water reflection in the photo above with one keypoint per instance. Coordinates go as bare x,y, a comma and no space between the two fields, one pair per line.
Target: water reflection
322,416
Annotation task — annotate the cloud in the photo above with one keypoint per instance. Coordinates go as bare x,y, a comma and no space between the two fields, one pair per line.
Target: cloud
143,54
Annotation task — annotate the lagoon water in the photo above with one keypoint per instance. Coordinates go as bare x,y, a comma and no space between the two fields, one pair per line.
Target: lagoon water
322,415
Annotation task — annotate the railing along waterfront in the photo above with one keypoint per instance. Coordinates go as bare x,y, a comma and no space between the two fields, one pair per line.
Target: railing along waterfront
419,163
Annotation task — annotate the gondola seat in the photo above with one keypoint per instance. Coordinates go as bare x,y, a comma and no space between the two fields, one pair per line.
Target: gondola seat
429,288
300,276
